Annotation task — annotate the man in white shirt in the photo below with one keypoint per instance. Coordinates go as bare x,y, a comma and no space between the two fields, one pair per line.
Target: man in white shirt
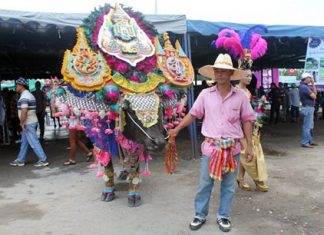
294,100
28,123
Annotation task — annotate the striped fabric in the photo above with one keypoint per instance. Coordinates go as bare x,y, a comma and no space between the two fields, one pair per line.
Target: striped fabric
222,160
27,100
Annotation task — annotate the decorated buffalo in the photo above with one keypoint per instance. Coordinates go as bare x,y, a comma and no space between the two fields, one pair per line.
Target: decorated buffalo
124,90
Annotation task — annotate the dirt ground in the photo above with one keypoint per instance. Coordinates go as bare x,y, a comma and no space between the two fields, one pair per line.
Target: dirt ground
66,200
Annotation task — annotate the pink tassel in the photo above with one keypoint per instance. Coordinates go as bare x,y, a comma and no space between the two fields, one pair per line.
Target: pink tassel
100,174
104,158
146,171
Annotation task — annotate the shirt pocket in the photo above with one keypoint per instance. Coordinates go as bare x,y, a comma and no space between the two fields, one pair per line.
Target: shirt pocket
233,115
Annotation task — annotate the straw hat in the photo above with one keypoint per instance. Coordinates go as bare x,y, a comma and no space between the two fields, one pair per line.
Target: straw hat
223,61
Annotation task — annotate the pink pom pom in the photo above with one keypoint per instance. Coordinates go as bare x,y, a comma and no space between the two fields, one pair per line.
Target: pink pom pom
169,93
81,128
109,131
113,96
58,114
146,173
94,114
64,123
176,123
170,125
134,78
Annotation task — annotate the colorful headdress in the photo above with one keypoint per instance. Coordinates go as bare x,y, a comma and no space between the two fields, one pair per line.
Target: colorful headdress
245,46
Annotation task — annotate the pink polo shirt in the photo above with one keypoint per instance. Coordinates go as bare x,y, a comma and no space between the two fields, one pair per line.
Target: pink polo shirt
222,118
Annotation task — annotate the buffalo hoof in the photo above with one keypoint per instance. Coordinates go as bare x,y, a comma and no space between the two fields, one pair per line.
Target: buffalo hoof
107,196
123,175
134,201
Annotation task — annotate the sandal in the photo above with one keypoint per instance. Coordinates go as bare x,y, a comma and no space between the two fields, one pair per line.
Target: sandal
89,157
69,162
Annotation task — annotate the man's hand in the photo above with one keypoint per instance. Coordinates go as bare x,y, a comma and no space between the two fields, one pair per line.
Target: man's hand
173,132
22,126
249,154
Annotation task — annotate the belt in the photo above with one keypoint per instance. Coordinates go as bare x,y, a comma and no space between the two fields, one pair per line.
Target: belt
223,143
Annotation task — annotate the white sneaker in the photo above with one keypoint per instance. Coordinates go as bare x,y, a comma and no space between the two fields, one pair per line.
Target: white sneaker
41,163
16,163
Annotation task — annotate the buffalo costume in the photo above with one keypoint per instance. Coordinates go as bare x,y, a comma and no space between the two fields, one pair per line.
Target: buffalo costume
125,86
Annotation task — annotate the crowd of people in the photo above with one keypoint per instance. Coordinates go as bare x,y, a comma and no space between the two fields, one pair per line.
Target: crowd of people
22,113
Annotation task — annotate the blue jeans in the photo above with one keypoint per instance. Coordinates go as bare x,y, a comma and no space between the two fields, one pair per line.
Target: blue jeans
308,124
205,187
29,137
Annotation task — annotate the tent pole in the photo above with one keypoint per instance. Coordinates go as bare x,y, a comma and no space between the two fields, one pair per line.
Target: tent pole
193,126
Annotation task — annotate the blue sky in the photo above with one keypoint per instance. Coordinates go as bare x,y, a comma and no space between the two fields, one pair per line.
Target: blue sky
289,12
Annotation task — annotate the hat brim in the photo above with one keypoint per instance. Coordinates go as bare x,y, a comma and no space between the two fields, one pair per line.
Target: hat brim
208,71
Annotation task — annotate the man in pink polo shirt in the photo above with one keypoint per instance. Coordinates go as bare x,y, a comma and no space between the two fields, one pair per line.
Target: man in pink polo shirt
225,110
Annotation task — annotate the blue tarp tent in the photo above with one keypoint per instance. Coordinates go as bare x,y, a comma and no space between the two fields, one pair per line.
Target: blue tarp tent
287,44
207,28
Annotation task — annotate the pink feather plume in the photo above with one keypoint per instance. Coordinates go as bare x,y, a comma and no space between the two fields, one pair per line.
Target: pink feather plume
230,40
234,47
258,46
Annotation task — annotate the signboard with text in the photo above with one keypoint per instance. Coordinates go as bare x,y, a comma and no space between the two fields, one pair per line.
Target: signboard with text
314,63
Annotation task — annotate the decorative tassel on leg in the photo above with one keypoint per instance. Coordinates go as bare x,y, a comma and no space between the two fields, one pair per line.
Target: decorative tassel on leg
146,171
171,156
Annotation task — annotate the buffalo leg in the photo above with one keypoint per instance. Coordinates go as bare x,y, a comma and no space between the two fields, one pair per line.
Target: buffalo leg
108,193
